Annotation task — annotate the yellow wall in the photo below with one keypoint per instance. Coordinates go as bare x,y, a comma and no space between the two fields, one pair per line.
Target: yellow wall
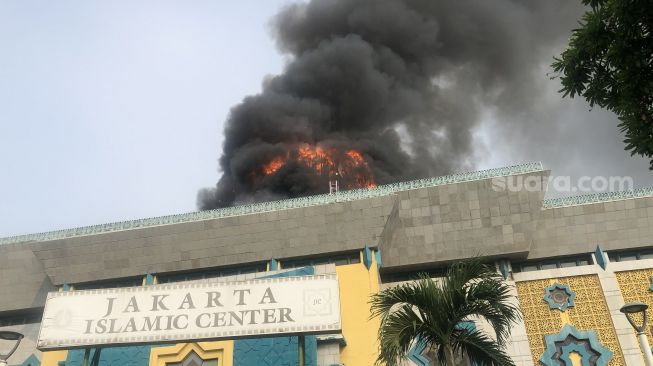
356,285
590,312
52,358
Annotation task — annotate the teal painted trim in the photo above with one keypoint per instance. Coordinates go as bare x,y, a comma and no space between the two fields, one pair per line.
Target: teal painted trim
415,354
304,271
584,355
650,287
597,197
113,356
274,264
149,279
379,261
32,360
600,256
322,199
367,257
552,358
467,325
554,305
504,268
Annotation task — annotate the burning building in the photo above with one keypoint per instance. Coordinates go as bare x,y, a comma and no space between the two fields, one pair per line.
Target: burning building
255,284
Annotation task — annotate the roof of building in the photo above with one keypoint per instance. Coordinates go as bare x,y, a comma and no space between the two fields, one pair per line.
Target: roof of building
322,199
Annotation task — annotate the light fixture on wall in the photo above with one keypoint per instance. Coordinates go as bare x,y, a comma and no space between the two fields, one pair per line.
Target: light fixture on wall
11,340
639,308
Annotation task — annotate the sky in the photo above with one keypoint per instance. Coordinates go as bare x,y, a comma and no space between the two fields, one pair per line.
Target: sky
113,110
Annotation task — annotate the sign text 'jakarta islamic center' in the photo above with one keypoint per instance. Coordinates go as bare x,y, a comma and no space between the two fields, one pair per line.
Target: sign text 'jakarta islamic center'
191,311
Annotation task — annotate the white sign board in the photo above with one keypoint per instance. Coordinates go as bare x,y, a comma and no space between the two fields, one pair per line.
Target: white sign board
191,311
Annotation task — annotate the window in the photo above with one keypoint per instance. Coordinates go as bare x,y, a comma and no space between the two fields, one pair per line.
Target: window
126,282
338,260
22,318
412,275
630,255
211,273
552,263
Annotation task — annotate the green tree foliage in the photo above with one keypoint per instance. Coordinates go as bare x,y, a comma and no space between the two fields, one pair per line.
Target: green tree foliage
432,312
609,62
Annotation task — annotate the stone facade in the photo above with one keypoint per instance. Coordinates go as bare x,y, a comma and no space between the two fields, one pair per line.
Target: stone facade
396,230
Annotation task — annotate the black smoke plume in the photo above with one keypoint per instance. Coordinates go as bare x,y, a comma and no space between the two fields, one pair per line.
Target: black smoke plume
404,82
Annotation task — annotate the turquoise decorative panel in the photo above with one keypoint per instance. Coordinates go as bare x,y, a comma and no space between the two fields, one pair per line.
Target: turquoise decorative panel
570,339
559,296
114,356
276,351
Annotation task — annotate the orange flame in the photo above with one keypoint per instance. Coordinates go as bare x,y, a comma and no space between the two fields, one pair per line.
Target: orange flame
273,166
351,165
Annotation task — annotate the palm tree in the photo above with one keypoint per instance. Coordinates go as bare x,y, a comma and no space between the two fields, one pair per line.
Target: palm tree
432,312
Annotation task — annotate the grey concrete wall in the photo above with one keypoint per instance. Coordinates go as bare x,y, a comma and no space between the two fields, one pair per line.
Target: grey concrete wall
23,281
449,222
579,229
415,228
219,242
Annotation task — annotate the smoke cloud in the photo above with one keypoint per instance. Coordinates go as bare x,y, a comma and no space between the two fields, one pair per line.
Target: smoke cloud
403,82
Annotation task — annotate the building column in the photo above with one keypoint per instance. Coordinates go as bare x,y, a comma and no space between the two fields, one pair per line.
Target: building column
625,333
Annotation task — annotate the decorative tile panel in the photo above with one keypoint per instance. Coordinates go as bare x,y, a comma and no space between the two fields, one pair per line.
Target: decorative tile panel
570,340
590,313
559,296
635,286
538,318
597,197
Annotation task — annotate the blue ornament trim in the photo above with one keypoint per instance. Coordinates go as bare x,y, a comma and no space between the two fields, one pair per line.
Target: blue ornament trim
415,354
584,355
274,264
367,257
552,356
504,268
599,254
377,256
556,305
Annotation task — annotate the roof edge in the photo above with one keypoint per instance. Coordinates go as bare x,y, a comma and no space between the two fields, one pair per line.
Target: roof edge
299,202
596,198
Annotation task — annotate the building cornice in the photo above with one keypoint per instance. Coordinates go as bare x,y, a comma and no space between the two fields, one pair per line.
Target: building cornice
299,202
597,198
